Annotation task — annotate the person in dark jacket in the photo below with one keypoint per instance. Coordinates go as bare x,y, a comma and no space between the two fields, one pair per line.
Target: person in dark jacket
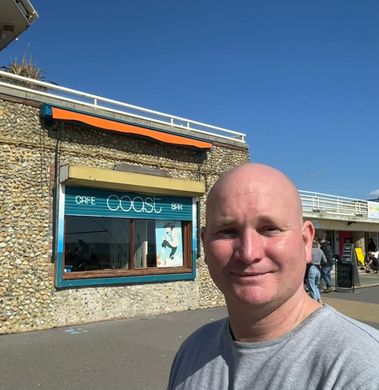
371,247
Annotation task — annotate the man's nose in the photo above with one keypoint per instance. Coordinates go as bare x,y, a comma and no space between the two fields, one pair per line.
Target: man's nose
250,247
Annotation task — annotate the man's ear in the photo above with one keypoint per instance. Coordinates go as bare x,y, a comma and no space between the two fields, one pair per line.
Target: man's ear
203,232
308,235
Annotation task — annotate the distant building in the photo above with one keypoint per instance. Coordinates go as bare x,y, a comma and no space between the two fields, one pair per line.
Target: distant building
344,220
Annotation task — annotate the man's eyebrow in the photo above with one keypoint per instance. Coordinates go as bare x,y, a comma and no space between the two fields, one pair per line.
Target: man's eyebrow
225,221
268,219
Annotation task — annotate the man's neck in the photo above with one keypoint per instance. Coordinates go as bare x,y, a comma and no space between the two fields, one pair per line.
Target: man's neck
267,323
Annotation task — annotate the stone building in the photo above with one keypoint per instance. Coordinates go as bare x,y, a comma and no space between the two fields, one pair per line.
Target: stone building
100,208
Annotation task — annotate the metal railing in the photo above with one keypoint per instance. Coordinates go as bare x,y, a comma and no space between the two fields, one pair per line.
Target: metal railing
333,206
314,203
50,90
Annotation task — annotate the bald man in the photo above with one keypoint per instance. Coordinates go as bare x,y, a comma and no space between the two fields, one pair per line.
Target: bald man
275,337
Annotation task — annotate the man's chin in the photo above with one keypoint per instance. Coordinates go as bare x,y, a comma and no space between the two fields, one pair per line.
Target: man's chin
254,296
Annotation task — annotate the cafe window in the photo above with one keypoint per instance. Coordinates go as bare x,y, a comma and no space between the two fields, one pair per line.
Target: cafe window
112,236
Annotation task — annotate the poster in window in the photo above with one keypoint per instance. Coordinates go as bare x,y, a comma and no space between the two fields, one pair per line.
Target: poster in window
169,243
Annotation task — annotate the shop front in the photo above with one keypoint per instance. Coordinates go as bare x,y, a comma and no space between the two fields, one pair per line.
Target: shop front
101,211
108,236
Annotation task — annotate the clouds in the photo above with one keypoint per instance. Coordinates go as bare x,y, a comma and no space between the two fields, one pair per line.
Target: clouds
374,193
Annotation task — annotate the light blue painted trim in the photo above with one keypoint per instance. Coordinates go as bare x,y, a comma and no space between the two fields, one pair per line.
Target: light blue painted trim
60,236
45,110
126,280
194,236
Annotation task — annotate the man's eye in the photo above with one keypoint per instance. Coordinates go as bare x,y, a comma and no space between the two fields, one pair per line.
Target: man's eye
270,230
227,233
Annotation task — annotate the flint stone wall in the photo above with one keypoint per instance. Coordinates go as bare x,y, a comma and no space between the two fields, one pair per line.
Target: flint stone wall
29,152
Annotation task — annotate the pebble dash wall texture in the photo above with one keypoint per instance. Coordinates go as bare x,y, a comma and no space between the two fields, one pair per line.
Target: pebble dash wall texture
29,149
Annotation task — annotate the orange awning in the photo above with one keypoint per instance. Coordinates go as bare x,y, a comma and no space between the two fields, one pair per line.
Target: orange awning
110,125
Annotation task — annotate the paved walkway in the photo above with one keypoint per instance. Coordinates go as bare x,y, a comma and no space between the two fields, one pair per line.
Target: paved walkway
130,354
368,279
365,279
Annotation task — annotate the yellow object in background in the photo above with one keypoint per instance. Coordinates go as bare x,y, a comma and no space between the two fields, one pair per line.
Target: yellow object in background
360,255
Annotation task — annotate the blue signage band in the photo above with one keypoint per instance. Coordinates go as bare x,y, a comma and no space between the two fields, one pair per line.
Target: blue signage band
109,203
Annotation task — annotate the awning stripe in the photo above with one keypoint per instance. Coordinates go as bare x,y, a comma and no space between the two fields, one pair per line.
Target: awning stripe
110,125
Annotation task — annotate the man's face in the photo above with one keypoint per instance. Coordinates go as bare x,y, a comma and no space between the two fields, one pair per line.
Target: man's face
256,245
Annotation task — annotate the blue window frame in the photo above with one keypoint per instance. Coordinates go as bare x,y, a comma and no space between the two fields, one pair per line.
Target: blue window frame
114,237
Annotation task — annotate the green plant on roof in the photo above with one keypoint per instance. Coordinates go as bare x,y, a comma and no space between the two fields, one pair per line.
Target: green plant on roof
26,68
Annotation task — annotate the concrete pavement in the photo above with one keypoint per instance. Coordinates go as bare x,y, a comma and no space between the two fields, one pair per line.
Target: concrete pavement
368,279
130,354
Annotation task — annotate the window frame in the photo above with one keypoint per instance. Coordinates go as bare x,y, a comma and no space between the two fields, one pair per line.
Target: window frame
187,260
126,276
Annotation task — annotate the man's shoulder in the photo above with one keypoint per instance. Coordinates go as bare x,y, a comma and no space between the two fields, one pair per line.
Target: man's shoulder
351,345
208,332
348,332
204,343
201,347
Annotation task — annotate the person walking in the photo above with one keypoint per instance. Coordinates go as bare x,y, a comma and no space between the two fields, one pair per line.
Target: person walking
275,336
326,269
314,272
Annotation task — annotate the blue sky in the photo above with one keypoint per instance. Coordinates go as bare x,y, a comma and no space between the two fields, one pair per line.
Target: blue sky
300,78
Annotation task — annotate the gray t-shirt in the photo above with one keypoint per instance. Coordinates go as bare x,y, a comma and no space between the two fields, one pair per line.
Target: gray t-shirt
326,351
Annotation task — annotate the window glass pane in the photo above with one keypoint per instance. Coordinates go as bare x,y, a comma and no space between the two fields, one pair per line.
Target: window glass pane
145,245
93,243
170,243
104,243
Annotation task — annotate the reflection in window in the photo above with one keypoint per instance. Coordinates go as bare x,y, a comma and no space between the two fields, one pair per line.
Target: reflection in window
93,243
104,243
144,233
